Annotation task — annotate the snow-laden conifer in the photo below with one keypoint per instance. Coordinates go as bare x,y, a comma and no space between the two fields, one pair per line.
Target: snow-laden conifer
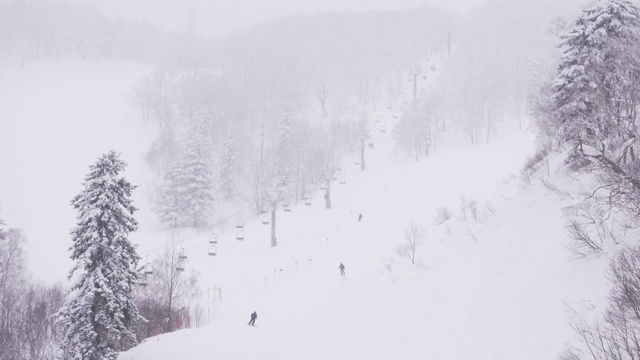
595,94
100,315
228,165
187,190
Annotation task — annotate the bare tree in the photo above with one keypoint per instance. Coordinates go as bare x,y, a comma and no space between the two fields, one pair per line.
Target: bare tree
172,284
414,238
617,335
12,285
322,95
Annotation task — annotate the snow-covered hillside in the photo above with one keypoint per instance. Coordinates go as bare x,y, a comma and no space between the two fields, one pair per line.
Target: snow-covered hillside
495,288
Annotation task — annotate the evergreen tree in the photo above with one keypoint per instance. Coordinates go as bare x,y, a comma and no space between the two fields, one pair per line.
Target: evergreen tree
170,206
228,165
1,229
187,191
99,319
594,98
285,135
196,181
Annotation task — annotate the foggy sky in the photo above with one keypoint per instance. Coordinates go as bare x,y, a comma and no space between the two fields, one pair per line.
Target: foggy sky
220,17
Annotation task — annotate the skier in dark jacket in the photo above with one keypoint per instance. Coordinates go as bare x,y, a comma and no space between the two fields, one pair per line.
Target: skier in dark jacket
254,316
341,267
360,217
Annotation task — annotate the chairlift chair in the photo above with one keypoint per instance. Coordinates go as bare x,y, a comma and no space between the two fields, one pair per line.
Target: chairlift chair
212,250
265,219
323,185
240,223
352,148
357,160
240,234
307,199
286,206
383,130
183,254
180,266
343,180
213,239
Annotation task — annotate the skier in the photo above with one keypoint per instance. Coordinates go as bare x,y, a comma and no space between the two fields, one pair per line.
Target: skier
254,316
360,217
341,267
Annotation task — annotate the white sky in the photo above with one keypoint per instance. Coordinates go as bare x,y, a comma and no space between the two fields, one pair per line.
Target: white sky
219,17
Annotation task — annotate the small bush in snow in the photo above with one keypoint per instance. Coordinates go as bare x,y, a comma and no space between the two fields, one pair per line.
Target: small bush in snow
443,214
533,164
414,238
468,209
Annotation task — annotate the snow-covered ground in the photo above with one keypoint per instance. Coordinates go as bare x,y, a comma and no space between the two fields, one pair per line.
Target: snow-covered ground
496,288
504,295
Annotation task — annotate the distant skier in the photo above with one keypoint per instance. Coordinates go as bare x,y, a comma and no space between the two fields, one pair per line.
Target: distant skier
254,316
360,217
341,267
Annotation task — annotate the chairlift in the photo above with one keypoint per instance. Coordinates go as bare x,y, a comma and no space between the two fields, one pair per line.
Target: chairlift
286,206
240,234
389,106
265,219
213,250
383,130
240,223
183,254
322,185
378,119
352,148
148,270
213,239
307,199
395,116
357,161
180,266
343,179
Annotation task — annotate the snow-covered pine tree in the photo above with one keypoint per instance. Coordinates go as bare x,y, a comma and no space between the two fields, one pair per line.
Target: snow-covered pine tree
100,316
170,206
228,164
187,191
2,223
196,176
285,137
595,94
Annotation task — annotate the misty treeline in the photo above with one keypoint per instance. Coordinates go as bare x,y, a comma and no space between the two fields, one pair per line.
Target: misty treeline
278,105
55,30
588,111
502,53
